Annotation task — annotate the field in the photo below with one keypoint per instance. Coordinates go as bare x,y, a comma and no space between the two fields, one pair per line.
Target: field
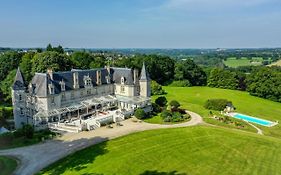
194,150
7,165
193,99
277,63
233,62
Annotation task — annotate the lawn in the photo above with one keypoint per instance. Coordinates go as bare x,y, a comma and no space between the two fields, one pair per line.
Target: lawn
192,150
7,165
233,62
193,99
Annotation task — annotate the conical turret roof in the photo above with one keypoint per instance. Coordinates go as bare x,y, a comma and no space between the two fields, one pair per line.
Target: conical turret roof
144,74
19,81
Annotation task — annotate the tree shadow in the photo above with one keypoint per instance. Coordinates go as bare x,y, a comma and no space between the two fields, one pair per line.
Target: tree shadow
81,156
155,172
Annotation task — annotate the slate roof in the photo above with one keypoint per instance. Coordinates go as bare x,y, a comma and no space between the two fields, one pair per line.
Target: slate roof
19,81
118,73
39,83
144,74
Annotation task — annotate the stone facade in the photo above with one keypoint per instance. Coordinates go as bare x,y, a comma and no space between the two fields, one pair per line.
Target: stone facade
77,95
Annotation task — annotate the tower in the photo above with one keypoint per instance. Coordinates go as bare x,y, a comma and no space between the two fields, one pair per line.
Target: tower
144,83
18,100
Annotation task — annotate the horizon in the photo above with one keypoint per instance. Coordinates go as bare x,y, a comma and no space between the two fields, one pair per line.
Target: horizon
138,24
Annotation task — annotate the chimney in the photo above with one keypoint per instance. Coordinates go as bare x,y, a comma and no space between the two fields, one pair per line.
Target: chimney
98,77
75,80
50,73
136,72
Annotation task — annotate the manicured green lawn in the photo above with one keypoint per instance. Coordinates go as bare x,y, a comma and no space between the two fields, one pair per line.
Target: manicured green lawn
192,150
7,165
193,99
233,62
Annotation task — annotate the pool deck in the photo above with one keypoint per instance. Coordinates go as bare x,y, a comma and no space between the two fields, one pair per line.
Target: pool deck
232,114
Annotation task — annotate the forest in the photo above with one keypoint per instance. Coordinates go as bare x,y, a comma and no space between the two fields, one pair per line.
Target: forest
261,81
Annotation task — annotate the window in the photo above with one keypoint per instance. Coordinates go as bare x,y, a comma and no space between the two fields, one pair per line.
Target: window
53,100
87,81
20,97
72,95
122,80
81,93
21,111
122,89
63,96
89,92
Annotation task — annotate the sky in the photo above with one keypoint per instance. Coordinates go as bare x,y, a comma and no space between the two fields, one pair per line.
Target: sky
141,23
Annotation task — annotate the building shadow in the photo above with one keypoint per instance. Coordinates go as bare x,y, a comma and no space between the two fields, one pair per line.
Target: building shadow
81,155
155,172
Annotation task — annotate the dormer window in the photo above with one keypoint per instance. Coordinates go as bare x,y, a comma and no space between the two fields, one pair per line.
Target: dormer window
62,85
122,80
108,79
51,89
87,81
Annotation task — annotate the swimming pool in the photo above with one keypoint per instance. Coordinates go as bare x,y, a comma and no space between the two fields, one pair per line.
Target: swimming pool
254,120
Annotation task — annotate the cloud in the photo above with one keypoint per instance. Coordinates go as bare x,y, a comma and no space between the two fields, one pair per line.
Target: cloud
211,4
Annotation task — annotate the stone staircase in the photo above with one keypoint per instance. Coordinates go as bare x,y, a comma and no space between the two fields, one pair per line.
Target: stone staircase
63,127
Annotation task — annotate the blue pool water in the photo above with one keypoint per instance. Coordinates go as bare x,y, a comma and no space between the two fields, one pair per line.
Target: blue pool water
253,120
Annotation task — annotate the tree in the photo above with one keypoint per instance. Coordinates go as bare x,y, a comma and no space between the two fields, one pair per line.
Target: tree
139,113
161,101
156,89
8,61
54,60
58,49
188,70
225,79
174,104
26,66
6,85
82,60
98,62
49,47
265,83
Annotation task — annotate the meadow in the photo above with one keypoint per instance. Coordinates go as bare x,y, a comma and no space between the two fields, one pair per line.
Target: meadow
234,62
181,151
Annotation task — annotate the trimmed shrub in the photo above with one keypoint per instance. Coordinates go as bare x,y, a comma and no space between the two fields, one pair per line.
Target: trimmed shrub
165,114
174,104
156,108
217,104
177,117
161,101
139,113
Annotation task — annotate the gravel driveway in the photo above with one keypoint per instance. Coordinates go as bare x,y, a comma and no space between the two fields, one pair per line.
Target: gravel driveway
36,157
